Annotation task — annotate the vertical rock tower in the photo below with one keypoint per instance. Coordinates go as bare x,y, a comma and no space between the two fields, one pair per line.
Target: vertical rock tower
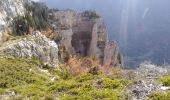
85,34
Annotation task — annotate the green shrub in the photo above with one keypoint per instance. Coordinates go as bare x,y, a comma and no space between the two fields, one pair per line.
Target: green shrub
77,97
33,92
35,17
63,54
49,97
29,90
62,73
85,77
15,72
67,97
109,83
15,75
94,70
117,73
159,96
2,91
63,86
165,80
103,94
20,26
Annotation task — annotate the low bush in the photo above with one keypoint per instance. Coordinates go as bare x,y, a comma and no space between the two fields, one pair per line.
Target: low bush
94,70
15,75
159,96
109,83
103,94
165,80
15,72
85,77
63,73
35,18
1,91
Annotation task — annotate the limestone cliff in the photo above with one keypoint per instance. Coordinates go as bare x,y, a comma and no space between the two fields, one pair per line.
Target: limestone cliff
85,34
8,10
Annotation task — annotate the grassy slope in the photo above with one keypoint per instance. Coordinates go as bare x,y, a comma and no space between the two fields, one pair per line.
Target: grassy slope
24,78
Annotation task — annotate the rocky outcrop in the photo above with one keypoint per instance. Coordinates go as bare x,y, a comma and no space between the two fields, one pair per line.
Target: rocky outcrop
36,45
84,34
146,78
10,9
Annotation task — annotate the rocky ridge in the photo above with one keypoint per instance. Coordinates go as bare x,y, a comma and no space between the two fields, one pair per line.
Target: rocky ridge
35,45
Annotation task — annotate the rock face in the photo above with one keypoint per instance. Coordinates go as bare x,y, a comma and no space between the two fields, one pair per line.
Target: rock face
36,45
8,10
84,34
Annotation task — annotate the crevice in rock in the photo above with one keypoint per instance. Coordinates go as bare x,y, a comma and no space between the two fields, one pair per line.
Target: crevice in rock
81,42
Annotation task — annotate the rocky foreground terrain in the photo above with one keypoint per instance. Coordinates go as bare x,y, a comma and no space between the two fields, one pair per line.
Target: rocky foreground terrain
48,54
147,76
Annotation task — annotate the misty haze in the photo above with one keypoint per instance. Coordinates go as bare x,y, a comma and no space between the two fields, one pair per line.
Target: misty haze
141,27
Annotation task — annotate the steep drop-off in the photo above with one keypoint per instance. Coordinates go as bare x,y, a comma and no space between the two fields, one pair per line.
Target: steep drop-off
85,34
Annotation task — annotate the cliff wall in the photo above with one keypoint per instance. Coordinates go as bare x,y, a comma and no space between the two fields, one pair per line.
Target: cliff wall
85,34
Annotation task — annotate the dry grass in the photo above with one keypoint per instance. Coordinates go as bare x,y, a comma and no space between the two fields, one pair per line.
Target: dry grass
75,66
78,66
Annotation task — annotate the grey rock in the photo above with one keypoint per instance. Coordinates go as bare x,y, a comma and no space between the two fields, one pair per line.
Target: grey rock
37,45
146,84
147,70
